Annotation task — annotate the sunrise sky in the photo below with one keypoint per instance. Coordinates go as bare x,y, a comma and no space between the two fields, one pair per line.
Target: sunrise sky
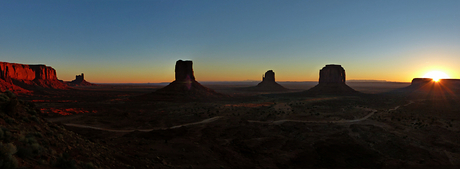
125,41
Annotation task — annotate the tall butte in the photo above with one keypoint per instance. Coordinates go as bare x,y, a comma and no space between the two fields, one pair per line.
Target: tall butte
185,87
21,78
331,81
268,83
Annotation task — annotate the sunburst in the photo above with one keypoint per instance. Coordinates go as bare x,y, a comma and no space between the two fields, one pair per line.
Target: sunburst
436,75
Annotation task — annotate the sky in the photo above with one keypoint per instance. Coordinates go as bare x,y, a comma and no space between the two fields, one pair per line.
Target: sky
121,41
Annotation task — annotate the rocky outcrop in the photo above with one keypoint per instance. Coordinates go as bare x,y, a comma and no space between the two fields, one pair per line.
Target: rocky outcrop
331,81
268,83
184,88
21,78
80,81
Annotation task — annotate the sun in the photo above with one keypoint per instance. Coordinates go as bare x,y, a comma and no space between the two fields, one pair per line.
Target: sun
436,75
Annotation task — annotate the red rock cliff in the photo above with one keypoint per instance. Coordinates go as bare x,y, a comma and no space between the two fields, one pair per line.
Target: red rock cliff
16,77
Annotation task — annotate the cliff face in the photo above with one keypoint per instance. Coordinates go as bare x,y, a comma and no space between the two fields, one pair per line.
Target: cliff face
16,77
184,88
421,81
332,74
268,83
184,71
269,76
331,81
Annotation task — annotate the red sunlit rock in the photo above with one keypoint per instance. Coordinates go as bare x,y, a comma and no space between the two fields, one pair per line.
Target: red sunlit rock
20,77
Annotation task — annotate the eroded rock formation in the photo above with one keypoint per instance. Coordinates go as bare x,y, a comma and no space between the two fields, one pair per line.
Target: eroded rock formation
331,81
269,76
185,87
184,71
268,83
21,77
80,81
332,74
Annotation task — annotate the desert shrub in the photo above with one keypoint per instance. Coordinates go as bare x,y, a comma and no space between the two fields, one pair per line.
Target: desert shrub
9,120
24,152
64,161
88,165
10,94
4,97
32,112
35,134
29,140
25,119
7,135
34,118
7,160
1,134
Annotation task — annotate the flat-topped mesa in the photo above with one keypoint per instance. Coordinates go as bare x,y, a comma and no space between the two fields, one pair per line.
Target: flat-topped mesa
424,81
332,74
16,77
421,81
184,71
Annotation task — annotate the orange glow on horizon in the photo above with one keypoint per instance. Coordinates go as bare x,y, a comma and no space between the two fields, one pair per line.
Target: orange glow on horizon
436,75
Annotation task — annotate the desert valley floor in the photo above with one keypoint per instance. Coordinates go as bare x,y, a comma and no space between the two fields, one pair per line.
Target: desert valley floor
261,130
379,128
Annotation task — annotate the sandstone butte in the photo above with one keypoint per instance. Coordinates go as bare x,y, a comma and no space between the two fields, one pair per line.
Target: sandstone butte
80,81
332,81
268,83
21,78
184,87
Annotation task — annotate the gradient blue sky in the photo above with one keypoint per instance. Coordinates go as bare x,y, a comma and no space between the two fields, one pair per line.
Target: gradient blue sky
139,41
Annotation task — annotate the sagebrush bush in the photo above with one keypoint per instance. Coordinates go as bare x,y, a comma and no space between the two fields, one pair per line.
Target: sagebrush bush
7,160
1,134
10,94
64,161
4,97
24,152
88,165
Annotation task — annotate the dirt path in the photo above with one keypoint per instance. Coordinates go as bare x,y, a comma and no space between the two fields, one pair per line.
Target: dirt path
373,111
144,130
277,122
